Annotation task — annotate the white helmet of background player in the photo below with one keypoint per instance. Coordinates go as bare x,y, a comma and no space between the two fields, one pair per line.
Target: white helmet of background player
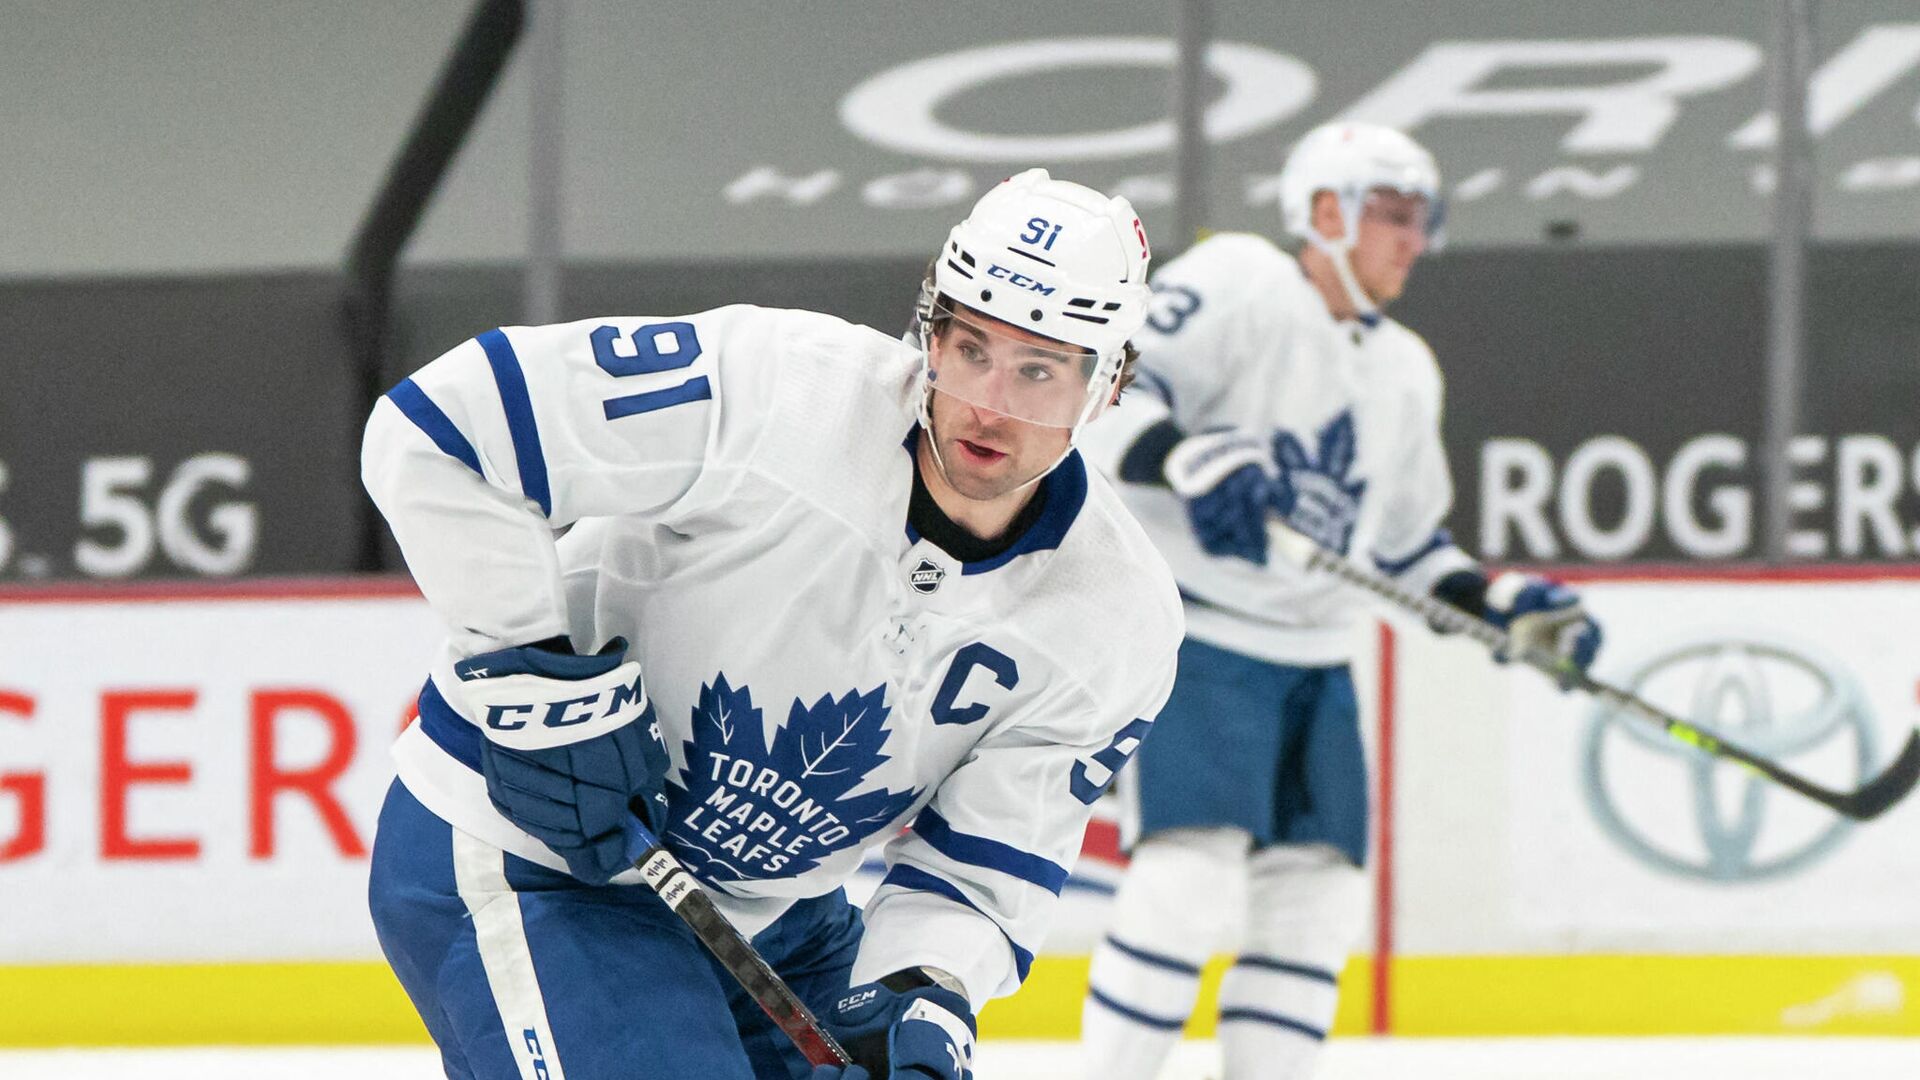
1053,258
1353,161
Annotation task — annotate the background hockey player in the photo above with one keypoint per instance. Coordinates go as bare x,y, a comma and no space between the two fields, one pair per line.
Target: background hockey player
816,584
1279,389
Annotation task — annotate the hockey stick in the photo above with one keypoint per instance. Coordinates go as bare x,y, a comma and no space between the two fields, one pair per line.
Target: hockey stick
1861,804
674,884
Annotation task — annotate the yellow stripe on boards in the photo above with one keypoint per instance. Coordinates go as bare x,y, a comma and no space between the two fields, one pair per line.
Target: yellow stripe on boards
1656,995
347,1003
1048,1005
199,1004
1554,995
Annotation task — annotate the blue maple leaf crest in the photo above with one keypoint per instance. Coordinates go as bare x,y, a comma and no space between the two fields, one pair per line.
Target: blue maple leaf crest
1319,497
751,807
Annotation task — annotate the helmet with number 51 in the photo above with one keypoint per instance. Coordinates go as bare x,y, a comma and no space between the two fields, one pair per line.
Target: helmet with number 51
1023,322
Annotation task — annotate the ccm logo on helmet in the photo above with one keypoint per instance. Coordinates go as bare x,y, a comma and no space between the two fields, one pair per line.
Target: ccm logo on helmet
1018,279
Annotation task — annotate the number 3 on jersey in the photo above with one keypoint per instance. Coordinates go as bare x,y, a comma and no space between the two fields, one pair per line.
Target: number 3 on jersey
657,347
1170,307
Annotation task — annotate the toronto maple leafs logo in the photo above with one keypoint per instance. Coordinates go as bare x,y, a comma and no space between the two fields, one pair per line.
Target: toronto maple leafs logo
753,807
1320,499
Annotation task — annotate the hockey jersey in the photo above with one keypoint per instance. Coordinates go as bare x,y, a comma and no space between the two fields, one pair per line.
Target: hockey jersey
1239,338
733,491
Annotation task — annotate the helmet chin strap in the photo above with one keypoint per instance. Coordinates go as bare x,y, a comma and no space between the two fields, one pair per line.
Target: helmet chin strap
923,331
926,425
1365,311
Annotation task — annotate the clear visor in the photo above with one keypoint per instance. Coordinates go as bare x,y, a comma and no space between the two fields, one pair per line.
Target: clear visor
1400,210
991,366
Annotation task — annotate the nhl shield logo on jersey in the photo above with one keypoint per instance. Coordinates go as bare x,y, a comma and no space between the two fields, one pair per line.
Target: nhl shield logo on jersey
753,807
1324,500
926,577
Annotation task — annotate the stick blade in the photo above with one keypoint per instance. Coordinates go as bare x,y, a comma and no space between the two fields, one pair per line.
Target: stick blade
1892,785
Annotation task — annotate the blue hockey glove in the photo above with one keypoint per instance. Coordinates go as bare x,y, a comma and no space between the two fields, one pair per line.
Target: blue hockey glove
1227,479
1544,615
837,1072
572,749
911,1025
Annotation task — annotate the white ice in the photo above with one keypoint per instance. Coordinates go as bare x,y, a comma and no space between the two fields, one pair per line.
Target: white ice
1346,1059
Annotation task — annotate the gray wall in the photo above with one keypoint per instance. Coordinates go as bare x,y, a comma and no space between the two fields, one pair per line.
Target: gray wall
202,136
187,136
183,178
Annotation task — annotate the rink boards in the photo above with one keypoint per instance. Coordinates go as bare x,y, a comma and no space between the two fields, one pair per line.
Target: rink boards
189,780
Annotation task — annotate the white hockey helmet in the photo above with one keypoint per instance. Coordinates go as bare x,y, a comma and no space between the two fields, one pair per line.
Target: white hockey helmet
1353,160
1056,259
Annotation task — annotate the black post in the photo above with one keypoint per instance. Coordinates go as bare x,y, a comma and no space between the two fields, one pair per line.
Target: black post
470,74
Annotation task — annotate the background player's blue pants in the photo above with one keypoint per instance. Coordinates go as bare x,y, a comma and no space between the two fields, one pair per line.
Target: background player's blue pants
525,973
1268,748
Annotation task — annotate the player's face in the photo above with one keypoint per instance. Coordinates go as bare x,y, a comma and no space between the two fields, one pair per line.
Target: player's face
1008,370
1393,233
987,376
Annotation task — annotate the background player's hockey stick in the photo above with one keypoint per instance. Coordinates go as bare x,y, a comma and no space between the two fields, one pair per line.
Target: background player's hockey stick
665,875
1866,802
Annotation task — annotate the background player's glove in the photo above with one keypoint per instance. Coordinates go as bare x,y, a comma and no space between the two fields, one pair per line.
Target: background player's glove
1545,615
837,1072
572,749
1227,479
907,1026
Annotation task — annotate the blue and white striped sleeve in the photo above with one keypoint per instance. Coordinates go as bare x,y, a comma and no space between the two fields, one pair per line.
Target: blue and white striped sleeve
480,456
1433,560
971,886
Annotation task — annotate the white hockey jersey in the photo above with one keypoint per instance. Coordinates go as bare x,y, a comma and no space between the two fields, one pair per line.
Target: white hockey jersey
737,484
1239,338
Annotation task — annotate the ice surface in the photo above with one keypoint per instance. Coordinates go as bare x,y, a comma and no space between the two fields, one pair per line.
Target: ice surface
1346,1059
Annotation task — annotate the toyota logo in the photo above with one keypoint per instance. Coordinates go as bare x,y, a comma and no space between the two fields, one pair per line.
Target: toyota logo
1774,697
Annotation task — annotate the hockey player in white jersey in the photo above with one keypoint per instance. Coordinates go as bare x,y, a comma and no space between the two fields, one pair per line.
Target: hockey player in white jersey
819,590
1280,389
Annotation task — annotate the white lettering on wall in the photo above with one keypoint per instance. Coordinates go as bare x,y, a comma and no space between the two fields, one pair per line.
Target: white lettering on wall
1805,495
765,182
898,108
1875,60
1844,499
1732,506
918,189
1581,182
1608,453
1516,477
1449,80
1866,483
